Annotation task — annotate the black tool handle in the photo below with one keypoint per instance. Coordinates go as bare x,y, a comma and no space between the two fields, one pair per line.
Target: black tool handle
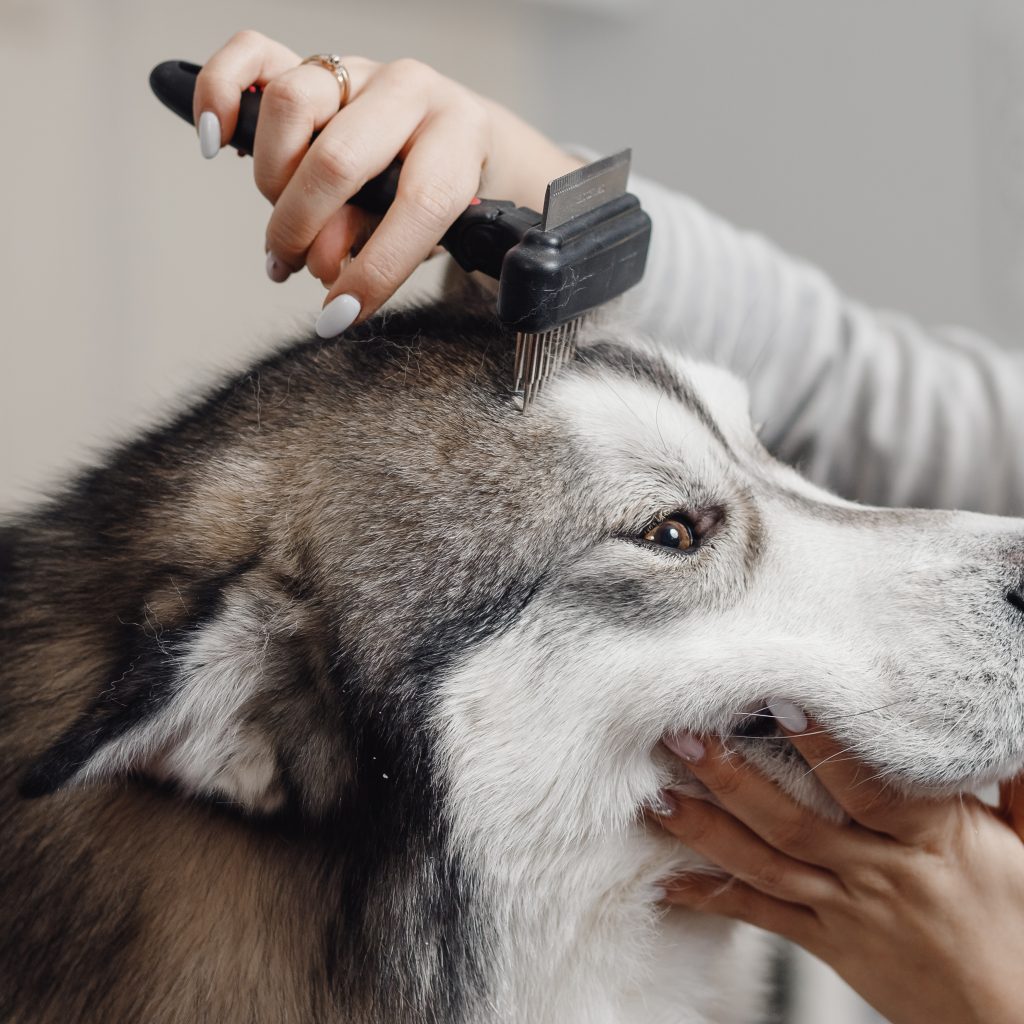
174,83
478,240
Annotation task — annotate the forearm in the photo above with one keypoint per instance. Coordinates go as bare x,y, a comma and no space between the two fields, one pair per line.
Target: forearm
869,404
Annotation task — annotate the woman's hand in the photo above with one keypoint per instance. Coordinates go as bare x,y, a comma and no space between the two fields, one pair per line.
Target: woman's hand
453,144
918,904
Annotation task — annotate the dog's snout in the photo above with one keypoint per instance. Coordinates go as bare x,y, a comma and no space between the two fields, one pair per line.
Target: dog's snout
1015,596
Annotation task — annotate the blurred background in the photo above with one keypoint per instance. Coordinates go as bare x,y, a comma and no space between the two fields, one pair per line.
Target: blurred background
883,140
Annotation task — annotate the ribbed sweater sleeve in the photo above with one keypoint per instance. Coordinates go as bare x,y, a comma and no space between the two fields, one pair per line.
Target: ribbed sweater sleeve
867,403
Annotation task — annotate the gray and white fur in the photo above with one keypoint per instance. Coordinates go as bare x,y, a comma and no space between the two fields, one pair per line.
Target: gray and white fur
340,696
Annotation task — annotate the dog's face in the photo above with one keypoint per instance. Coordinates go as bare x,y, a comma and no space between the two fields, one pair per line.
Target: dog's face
362,567
902,631
714,578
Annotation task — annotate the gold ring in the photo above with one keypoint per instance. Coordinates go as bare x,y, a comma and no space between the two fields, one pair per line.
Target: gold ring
333,63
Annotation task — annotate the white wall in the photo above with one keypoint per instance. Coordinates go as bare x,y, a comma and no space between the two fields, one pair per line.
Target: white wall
872,137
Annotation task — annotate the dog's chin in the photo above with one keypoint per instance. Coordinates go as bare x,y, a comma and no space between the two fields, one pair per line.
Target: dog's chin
758,739
760,742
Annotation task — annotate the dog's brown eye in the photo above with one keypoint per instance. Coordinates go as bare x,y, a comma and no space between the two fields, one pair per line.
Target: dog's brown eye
671,533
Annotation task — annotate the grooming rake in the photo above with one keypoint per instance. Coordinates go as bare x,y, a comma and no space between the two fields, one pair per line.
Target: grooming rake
586,248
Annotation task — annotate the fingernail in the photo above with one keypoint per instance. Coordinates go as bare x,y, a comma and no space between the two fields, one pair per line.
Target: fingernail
664,804
276,269
209,134
337,315
788,715
686,746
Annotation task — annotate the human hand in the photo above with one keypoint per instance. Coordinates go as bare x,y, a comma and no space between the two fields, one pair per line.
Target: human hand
453,144
918,904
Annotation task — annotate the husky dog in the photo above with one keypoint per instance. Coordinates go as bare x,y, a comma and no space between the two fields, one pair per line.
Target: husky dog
339,697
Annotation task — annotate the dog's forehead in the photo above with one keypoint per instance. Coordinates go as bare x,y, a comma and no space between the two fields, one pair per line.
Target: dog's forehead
619,426
637,406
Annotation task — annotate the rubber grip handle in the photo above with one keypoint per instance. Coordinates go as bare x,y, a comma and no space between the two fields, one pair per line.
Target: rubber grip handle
174,84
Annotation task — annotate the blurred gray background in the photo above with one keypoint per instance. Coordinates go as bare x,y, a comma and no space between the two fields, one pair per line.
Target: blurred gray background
882,139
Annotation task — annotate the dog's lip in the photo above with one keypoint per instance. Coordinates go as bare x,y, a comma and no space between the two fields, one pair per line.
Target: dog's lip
756,722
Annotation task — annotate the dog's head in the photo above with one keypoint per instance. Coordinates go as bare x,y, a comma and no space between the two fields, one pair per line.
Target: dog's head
358,577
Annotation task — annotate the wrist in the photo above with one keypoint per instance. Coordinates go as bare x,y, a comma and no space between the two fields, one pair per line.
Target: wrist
522,160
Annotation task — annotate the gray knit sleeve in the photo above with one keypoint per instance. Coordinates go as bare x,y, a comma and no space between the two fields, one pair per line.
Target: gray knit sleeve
869,404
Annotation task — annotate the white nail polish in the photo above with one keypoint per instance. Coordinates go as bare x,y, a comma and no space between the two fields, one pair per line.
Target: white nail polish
209,134
277,270
685,745
788,715
662,805
337,315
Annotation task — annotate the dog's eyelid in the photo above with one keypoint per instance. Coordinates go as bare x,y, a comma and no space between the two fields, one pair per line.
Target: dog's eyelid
702,520
681,515
709,518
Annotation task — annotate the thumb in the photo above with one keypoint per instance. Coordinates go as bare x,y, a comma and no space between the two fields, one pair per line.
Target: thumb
1011,803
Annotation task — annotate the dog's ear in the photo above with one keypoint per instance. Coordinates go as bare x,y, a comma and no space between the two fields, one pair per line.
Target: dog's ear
216,691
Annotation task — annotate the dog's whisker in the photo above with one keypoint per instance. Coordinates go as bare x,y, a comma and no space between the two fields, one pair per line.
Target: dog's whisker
837,758
852,714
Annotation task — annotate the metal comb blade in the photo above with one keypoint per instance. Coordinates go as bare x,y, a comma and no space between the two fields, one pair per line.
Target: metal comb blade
585,189
540,354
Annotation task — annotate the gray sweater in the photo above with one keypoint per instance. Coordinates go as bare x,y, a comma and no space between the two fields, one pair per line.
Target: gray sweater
867,403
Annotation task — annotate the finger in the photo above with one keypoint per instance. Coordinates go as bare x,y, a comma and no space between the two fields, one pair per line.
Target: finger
358,143
439,179
248,58
712,894
764,808
294,105
347,229
715,834
860,789
1011,803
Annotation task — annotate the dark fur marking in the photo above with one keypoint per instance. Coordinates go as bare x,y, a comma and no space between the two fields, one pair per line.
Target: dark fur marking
619,598
92,942
389,824
754,535
8,538
392,821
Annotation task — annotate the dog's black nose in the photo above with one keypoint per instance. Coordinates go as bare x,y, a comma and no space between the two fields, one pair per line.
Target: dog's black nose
1016,598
